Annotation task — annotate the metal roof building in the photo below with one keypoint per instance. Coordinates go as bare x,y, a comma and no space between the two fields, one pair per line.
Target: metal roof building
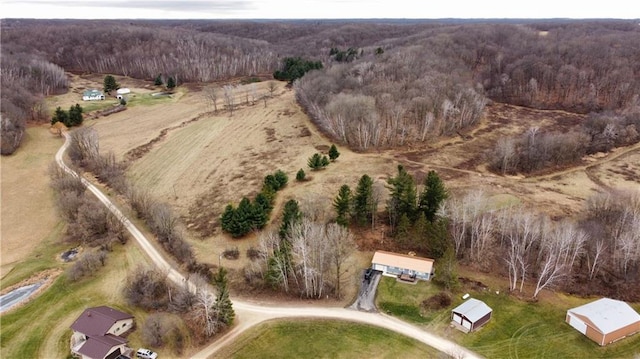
604,320
471,315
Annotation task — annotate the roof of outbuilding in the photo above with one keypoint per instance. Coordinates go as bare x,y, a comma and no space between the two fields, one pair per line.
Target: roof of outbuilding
607,315
418,264
98,320
473,309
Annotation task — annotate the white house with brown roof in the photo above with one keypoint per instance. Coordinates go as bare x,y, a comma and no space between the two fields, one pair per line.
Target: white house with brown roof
397,265
605,320
97,333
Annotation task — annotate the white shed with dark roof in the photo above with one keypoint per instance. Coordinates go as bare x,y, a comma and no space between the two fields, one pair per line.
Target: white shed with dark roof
605,320
471,315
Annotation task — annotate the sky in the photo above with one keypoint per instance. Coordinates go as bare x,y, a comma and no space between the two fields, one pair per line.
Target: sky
316,9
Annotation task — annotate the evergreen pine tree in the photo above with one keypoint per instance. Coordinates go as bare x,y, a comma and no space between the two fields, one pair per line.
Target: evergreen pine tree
403,231
333,153
419,233
60,115
432,196
324,162
223,305
171,83
446,273
290,215
158,80
342,204
301,176
281,178
110,84
403,196
315,162
363,200
436,236
227,219
75,116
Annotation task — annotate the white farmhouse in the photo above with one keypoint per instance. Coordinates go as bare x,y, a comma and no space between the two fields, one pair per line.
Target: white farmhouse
92,95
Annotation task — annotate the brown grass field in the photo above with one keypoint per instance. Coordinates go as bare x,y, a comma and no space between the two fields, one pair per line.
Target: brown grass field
199,161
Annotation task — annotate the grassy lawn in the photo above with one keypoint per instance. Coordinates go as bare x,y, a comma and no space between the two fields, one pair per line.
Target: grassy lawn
324,339
518,329
403,300
40,328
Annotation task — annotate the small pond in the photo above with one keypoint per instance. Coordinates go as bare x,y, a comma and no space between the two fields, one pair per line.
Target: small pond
7,301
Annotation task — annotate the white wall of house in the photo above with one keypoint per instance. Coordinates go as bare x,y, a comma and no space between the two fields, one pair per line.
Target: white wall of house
121,326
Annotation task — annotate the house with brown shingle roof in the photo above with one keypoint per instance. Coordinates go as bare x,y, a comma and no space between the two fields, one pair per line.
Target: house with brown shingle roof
97,333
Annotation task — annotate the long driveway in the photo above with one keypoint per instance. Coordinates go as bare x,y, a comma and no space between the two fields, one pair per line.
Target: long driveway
250,314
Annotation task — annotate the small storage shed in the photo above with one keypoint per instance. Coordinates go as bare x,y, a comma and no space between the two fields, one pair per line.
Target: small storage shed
471,315
605,320
396,265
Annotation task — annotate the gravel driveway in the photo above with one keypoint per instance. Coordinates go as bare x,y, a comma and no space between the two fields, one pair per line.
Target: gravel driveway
367,295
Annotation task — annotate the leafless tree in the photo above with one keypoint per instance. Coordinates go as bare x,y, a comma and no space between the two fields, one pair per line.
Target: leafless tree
229,98
84,146
310,252
522,231
272,86
211,94
559,248
342,245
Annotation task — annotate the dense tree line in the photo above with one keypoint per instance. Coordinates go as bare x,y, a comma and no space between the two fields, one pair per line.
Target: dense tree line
394,84
26,80
536,149
142,51
598,253
89,223
204,313
253,215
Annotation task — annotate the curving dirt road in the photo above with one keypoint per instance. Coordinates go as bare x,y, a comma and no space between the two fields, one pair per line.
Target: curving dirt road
249,314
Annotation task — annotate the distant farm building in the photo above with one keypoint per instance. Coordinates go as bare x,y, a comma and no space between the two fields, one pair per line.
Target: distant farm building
403,266
97,333
605,320
121,92
471,315
92,95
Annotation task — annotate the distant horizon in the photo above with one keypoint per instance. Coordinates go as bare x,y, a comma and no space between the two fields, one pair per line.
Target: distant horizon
279,10
334,19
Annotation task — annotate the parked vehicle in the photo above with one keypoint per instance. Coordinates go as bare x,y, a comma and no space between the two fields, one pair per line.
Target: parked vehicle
368,273
146,354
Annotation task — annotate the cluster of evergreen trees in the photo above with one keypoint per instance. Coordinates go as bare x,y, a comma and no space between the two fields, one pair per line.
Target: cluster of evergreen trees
70,118
413,217
359,206
319,161
294,68
252,215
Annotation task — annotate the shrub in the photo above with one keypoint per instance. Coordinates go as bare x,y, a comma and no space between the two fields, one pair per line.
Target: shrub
437,302
89,263
254,253
231,253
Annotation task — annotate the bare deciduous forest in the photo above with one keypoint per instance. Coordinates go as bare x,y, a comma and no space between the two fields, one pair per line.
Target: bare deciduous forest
393,85
403,82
